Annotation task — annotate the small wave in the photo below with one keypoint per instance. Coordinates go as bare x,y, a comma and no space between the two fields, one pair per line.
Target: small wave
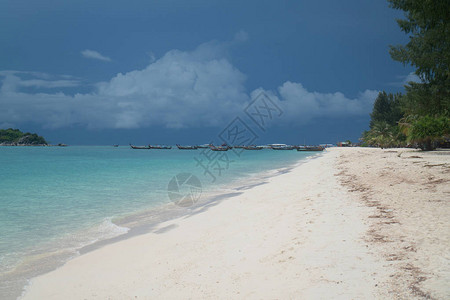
16,279
105,230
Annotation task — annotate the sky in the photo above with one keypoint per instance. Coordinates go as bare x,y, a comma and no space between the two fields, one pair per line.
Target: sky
175,71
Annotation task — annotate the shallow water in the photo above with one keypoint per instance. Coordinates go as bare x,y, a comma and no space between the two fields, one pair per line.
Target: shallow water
57,200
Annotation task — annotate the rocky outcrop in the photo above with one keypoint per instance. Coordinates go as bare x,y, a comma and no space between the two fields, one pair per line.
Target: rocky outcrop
14,137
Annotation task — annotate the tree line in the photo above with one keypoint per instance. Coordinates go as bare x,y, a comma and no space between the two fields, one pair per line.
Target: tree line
420,116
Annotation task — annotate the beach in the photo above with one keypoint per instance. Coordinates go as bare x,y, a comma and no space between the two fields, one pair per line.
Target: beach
353,223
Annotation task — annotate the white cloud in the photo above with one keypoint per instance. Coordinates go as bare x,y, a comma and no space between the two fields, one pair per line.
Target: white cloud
406,79
49,84
94,55
180,89
411,77
13,81
300,105
40,75
152,56
241,36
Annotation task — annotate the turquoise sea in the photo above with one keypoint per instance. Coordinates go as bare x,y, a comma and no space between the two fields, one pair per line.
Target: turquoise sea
56,200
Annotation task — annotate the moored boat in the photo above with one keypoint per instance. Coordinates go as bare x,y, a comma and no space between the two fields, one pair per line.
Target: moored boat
204,146
139,147
164,147
187,147
219,148
310,148
253,147
283,147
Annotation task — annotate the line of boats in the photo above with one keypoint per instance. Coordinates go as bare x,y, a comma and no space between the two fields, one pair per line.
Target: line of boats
225,147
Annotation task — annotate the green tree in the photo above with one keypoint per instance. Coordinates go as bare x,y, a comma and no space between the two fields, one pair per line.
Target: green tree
386,114
9,135
15,136
381,109
427,130
427,23
386,108
425,105
425,99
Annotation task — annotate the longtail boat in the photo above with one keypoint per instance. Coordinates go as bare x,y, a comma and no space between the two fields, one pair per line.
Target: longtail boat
159,147
253,147
283,147
139,147
204,146
187,147
219,148
310,148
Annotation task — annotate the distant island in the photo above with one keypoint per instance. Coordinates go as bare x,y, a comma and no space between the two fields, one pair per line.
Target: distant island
15,137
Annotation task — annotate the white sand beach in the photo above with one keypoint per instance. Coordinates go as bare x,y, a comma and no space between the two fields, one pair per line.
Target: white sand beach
354,223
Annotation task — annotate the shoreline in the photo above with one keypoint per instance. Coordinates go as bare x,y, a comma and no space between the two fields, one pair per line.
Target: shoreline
134,224
316,236
168,211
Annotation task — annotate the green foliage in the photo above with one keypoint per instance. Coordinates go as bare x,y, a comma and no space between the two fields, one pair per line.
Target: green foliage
381,108
382,134
427,130
384,130
421,116
427,23
15,136
425,99
10,135
386,108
